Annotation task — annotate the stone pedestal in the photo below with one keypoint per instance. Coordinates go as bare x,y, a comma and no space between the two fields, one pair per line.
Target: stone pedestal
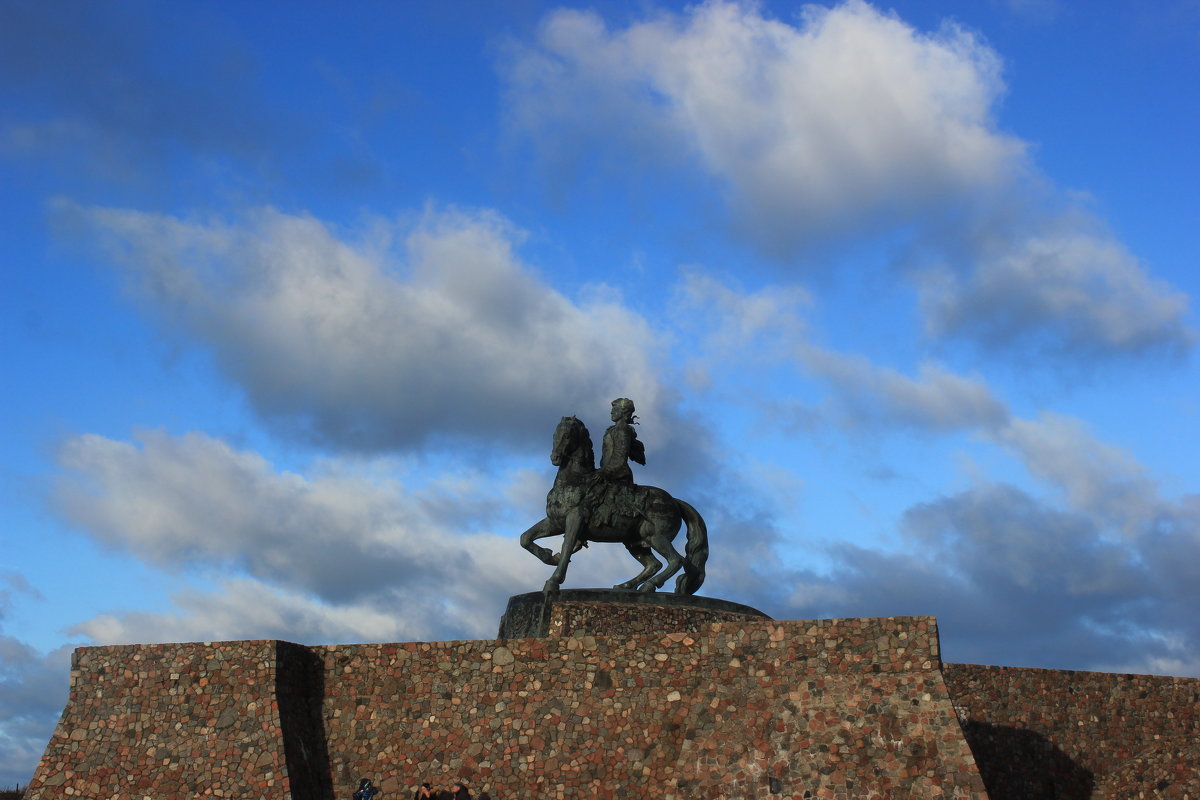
613,612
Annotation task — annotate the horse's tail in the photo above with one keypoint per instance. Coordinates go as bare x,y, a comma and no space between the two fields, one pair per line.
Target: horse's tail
695,553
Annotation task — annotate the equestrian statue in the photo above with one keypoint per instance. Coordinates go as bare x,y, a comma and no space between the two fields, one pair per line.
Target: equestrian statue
605,505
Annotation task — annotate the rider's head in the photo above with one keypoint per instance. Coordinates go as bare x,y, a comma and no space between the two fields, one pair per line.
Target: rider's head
622,410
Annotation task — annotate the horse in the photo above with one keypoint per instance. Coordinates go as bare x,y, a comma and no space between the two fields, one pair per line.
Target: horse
582,508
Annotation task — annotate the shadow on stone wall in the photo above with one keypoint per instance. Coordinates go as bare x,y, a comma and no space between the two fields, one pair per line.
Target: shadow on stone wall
1019,764
299,689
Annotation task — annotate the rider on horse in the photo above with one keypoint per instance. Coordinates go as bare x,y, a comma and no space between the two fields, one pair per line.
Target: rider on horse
611,492
604,505
621,444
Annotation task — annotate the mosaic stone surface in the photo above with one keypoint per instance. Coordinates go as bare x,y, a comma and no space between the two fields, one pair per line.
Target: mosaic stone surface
169,720
855,708
829,709
1044,733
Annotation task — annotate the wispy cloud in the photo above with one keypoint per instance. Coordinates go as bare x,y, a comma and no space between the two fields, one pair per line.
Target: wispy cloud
33,689
1085,559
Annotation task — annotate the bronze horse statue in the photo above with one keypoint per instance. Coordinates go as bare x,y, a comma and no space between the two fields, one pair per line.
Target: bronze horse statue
582,508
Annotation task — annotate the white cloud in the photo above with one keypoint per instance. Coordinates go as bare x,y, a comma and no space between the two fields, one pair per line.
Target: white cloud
1096,478
370,346
1101,571
723,325
195,501
1069,284
33,690
32,699
1013,580
734,325
849,114
335,557
936,399
850,123
248,609
729,320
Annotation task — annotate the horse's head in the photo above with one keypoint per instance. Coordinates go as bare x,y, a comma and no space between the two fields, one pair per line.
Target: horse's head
572,442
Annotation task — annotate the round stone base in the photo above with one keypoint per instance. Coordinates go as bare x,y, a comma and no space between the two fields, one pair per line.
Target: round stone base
614,612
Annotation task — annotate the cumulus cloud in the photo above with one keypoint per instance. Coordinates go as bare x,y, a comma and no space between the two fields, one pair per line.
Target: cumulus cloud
1067,286
848,122
849,113
1171,550
1101,571
1122,501
407,333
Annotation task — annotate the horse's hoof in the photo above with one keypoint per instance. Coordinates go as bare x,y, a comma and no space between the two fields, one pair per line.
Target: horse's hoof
648,587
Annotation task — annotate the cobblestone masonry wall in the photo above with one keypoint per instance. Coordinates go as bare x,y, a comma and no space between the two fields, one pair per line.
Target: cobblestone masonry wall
1042,733
831,709
836,708
178,720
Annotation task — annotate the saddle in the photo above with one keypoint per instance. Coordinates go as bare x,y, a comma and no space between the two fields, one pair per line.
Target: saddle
607,500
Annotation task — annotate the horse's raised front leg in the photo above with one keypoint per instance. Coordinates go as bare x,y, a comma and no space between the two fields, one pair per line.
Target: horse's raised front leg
571,535
540,531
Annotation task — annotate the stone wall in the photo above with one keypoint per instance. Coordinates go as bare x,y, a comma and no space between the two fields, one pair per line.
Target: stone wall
750,708
829,709
1043,733
176,720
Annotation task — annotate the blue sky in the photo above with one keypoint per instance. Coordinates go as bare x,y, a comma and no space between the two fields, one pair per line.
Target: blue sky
294,295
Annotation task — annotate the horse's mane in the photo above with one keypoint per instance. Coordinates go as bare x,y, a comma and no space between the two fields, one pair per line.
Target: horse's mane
587,452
